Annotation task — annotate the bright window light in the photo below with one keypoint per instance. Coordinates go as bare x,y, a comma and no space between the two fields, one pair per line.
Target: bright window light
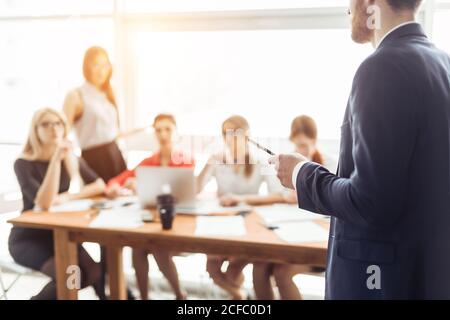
269,76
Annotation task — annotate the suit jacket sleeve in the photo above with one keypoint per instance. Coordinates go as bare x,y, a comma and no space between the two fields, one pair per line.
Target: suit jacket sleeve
383,107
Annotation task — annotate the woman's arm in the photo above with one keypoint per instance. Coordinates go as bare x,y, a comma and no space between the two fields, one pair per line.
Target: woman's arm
203,177
49,188
90,190
257,200
73,107
291,197
251,199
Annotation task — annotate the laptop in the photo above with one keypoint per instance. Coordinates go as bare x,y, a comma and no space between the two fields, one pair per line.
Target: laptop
150,182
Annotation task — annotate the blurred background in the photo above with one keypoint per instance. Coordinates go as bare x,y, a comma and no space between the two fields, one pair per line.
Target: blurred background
202,60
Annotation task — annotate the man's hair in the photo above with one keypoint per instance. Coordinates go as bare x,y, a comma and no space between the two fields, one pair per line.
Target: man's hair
404,4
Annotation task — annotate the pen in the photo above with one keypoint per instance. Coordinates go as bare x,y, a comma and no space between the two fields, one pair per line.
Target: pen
269,227
260,146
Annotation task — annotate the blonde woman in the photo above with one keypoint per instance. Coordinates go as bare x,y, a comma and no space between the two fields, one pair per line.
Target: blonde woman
44,172
238,181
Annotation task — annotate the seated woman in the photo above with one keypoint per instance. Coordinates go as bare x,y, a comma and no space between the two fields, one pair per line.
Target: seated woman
239,181
165,127
304,137
44,172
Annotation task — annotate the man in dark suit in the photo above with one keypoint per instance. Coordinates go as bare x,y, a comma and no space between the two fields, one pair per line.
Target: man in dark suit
390,201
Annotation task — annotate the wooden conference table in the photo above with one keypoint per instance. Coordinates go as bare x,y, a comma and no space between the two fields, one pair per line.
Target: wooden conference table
71,229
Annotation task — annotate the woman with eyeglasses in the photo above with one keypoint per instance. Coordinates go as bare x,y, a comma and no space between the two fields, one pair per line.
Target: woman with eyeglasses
45,171
92,111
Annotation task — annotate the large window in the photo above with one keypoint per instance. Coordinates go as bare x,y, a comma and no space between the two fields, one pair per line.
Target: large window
203,60
51,8
42,45
269,76
41,61
441,33
138,6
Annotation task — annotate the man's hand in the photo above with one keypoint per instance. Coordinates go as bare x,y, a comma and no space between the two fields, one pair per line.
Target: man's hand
284,165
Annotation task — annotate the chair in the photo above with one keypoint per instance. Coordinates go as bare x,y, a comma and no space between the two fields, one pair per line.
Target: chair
8,265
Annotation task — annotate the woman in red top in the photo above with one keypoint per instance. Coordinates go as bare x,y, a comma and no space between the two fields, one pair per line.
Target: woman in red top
165,127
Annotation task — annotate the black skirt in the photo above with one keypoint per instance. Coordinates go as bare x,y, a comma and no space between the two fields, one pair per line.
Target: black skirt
31,247
106,160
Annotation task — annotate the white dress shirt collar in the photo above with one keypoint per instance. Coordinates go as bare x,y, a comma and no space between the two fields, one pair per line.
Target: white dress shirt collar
393,29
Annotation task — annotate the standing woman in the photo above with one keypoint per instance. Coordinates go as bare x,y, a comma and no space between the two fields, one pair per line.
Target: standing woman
92,110
45,171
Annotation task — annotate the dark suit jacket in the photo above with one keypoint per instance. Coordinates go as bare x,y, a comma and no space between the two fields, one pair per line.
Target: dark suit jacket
390,202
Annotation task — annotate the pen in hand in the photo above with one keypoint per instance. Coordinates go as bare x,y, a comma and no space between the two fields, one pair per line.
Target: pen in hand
260,146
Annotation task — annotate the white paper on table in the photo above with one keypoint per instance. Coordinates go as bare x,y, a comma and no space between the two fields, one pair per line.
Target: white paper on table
280,213
303,231
71,206
204,208
119,218
131,201
220,226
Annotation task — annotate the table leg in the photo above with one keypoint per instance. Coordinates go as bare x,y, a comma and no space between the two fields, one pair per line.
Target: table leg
66,258
117,284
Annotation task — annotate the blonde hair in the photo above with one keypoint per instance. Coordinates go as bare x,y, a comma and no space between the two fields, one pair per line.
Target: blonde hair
33,146
240,123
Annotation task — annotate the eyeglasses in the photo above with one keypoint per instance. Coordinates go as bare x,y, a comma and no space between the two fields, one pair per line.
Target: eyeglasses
48,124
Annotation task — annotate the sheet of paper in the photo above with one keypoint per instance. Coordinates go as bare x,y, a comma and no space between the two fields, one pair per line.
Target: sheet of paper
204,208
119,218
220,226
281,213
71,206
303,231
123,201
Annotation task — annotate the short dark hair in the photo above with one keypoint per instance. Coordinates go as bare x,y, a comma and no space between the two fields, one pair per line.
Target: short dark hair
404,4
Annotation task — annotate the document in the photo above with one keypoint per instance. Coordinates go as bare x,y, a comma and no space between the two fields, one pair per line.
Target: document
220,226
71,206
88,204
117,203
127,218
205,208
280,213
302,231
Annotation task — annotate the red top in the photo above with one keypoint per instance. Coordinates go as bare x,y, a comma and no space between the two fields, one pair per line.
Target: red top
181,161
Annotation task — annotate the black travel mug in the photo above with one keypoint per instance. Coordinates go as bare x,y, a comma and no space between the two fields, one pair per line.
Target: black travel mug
166,209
